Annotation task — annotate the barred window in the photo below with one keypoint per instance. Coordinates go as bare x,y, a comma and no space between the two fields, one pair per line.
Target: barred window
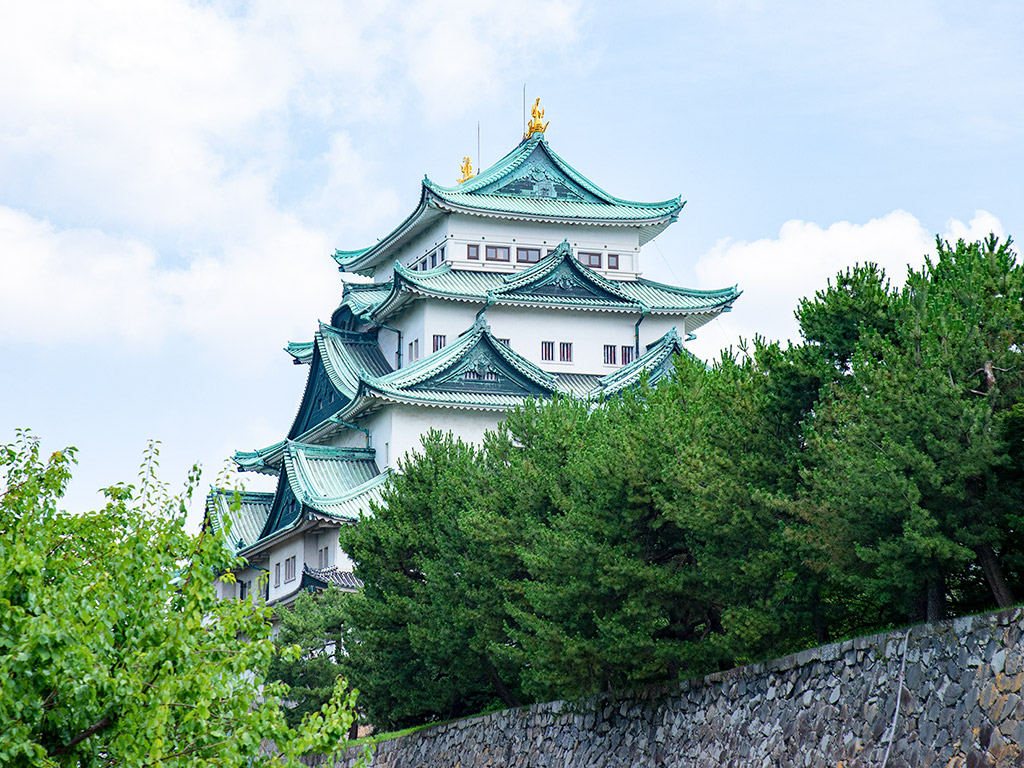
627,355
289,569
565,352
547,350
439,342
609,354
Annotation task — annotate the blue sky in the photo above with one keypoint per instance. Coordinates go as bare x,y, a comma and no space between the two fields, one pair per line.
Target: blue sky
174,176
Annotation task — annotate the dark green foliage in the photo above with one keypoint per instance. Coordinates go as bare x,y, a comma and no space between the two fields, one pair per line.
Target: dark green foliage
419,632
867,476
314,624
910,492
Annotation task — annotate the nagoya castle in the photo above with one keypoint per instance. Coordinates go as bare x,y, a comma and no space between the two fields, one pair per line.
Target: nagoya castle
521,281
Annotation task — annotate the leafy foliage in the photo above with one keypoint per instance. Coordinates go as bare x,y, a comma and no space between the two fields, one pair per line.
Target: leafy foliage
114,649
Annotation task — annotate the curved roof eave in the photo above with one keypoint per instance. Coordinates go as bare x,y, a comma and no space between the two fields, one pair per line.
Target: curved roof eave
363,260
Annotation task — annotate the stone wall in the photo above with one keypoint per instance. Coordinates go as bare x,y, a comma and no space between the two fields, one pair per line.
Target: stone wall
958,683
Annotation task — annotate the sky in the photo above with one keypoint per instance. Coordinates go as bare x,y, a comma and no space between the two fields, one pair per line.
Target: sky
175,175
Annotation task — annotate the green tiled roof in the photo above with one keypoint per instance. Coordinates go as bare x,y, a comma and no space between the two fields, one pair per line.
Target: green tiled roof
577,384
530,183
332,480
301,351
245,523
443,378
557,280
345,354
656,362
362,298
264,460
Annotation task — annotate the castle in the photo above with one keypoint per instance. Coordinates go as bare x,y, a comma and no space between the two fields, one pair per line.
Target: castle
522,281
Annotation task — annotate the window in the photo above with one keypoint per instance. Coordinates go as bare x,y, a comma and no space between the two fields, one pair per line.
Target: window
609,354
613,261
410,352
506,342
387,454
440,255
473,252
472,375
323,557
627,355
433,260
243,590
277,574
565,352
439,342
416,349
591,259
527,255
289,569
547,350
490,376
497,253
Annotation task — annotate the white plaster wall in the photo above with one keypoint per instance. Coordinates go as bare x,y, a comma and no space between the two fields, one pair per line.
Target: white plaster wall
410,422
527,327
455,231
464,229
280,553
433,235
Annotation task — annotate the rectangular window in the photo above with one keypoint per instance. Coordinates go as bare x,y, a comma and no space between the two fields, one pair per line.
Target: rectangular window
411,358
591,259
527,255
609,354
565,352
627,355
547,350
416,349
506,342
439,342
440,254
473,252
613,261
277,574
243,590
387,454
497,253
289,569
433,260
472,375
323,557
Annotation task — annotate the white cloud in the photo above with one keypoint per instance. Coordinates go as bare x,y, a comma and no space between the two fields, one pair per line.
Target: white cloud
143,145
776,273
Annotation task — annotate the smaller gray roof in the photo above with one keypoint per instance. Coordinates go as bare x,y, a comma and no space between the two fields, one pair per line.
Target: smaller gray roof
331,576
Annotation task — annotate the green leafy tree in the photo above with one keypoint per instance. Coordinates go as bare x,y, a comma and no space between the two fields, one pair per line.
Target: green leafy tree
114,649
